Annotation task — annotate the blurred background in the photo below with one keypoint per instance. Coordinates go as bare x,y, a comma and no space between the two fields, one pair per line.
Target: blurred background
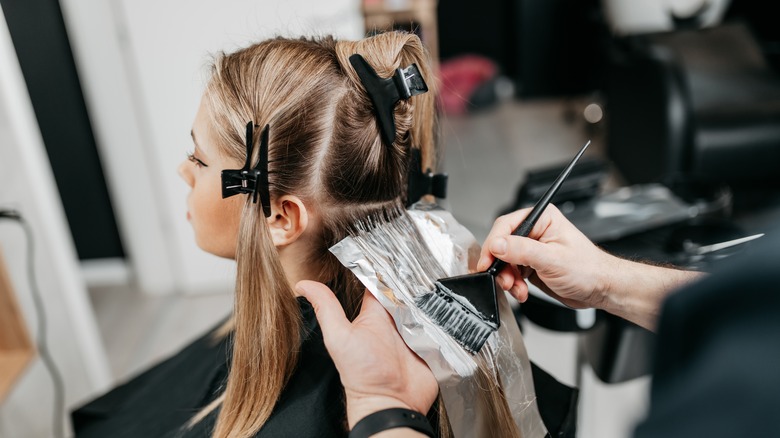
681,99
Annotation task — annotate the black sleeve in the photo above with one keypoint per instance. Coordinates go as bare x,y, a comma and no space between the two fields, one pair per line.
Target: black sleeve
717,371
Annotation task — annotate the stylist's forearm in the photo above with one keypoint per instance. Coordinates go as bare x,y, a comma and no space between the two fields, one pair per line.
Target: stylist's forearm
636,291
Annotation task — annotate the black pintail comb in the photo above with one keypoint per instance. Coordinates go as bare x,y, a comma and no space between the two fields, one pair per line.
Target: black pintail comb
466,306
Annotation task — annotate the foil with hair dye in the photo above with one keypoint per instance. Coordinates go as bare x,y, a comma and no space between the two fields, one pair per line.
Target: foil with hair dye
398,258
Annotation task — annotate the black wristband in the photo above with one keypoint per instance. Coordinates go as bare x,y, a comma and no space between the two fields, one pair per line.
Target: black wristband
390,419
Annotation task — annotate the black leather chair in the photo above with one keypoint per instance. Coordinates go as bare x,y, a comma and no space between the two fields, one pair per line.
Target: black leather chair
700,105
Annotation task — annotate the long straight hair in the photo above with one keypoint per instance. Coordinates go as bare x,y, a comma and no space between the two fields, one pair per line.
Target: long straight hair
325,148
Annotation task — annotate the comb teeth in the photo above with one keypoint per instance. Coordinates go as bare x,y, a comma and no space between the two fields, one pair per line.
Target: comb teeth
467,327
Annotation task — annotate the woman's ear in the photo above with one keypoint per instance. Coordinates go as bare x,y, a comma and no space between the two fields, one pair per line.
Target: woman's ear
288,220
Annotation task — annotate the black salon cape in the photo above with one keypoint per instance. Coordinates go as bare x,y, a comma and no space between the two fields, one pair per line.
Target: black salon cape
717,370
159,402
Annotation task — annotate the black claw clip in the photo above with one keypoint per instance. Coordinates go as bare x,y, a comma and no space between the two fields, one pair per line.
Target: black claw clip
386,92
423,183
253,181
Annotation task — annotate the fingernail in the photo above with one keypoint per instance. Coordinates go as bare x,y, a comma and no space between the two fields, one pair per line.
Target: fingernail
498,246
483,261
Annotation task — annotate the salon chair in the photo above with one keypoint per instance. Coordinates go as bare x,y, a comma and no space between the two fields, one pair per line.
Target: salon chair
699,105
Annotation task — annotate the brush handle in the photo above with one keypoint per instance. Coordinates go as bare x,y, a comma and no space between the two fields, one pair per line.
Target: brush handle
525,227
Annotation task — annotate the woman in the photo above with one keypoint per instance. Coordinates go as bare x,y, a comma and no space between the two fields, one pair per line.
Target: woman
316,158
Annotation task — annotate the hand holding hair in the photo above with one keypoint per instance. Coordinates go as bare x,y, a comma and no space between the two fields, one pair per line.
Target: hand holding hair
377,369
560,260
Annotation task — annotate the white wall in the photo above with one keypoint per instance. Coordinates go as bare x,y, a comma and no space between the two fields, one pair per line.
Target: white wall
164,48
27,185
628,17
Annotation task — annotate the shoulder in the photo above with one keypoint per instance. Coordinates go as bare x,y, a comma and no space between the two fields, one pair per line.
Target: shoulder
312,403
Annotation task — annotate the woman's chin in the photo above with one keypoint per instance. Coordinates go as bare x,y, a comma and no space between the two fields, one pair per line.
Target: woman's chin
209,247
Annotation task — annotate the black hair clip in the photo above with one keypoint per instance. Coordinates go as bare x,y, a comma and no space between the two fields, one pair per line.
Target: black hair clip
248,180
385,93
423,183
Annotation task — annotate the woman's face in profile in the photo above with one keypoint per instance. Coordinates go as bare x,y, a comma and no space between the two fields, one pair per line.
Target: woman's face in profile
214,220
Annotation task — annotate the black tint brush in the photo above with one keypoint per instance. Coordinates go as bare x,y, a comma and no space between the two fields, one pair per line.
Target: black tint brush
466,306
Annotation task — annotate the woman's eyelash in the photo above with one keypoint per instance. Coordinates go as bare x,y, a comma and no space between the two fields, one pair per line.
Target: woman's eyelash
191,156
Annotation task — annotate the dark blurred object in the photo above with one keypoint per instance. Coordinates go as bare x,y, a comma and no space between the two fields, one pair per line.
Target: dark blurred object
697,105
558,47
548,315
617,350
628,211
702,233
557,404
547,47
761,17
607,216
477,28
710,200
584,182
41,42
421,183
700,245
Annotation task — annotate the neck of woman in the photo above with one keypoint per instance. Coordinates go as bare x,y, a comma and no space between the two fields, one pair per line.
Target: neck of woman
295,259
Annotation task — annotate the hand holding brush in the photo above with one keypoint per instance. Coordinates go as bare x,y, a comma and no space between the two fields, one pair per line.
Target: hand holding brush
466,306
561,261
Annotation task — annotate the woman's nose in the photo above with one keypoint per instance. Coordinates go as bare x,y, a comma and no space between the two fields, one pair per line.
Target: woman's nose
184,172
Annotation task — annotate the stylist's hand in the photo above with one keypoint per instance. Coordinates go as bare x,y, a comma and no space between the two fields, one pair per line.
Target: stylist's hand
556,257
377,369
561,261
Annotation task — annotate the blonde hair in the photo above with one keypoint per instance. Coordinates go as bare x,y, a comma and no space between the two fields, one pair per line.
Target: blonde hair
324,147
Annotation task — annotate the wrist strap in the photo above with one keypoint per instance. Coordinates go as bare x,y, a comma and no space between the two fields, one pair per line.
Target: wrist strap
390,419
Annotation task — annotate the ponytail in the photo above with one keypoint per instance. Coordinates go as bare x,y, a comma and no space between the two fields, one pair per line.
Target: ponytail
415,118
265,342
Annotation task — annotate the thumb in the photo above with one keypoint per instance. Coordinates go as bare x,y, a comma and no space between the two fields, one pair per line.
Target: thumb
333,321
372,307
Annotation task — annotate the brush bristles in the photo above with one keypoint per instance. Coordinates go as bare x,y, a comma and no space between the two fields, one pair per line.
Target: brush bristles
398,252
469,329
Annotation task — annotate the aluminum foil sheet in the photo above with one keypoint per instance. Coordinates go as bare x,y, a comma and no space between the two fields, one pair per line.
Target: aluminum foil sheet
401,259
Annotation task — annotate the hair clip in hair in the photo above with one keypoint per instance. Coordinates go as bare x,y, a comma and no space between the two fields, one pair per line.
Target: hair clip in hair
423,183
386,92
249,180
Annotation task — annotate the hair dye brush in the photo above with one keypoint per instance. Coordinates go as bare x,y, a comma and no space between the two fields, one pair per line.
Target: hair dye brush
466,306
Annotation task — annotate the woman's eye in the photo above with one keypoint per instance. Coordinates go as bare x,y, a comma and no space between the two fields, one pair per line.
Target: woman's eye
195,160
